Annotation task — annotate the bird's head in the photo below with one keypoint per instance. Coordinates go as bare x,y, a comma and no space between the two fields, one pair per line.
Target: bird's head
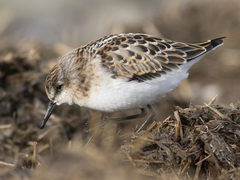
58,84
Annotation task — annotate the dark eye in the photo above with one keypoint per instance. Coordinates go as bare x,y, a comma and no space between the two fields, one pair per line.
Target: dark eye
59,88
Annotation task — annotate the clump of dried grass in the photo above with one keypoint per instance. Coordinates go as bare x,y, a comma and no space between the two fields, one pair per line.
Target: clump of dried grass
200,142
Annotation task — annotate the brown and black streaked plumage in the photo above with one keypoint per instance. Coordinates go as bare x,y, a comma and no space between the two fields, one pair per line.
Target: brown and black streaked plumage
122,71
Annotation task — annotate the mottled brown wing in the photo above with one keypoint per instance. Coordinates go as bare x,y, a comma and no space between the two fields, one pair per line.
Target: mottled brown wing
142,57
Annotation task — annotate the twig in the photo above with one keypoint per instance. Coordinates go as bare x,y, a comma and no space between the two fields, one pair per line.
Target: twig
213,100
51,146
42,148
152,161
35,151
178,126
212,154
5,126
46,132
131,159
198,168
187,165
151,126
7,164
203,160
215,111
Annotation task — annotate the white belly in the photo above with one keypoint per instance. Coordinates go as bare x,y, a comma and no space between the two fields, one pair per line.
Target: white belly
112,95
119,94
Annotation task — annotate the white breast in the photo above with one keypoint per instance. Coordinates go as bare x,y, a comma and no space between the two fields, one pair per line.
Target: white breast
110,95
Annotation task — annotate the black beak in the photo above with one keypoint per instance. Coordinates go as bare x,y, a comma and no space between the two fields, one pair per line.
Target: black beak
50,109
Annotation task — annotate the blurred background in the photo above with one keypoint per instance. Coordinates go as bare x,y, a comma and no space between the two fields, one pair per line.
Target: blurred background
35,34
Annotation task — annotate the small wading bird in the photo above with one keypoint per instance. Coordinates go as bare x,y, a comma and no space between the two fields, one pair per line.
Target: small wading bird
121,72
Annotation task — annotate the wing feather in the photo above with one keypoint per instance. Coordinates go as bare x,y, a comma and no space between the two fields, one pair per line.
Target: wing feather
143,57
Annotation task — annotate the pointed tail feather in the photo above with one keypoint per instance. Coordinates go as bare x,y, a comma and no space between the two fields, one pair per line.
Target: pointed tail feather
215,43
